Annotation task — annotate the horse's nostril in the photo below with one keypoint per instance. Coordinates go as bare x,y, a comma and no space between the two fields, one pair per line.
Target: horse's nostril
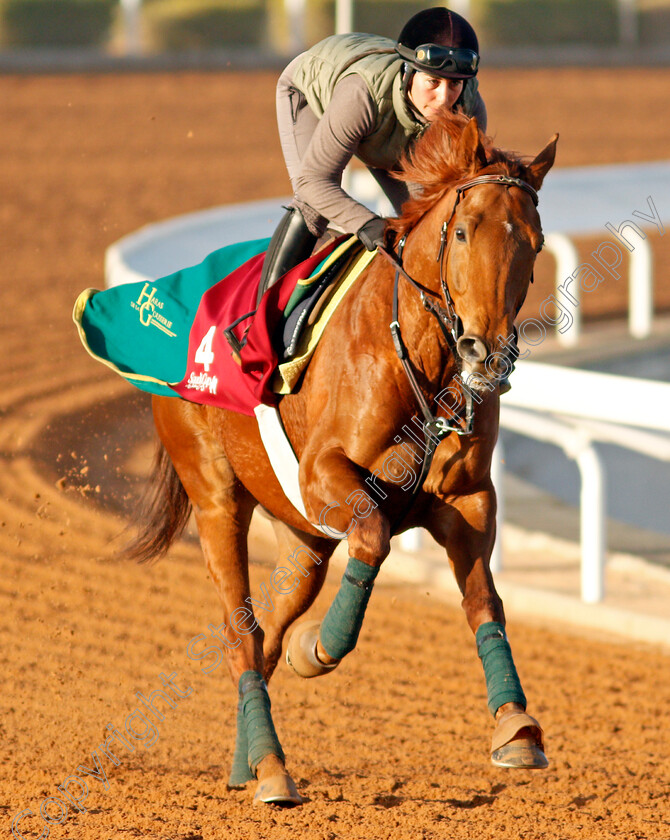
471,349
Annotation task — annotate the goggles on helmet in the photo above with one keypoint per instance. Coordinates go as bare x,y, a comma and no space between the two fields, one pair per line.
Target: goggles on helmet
457,62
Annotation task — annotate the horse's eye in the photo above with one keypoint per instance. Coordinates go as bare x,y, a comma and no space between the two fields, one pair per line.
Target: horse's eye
460,234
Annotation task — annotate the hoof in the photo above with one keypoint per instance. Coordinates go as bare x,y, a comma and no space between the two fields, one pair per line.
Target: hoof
518,743
520,755
301,651
278,790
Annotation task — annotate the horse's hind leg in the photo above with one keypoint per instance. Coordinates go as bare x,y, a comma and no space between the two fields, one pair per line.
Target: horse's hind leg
297,579
466,528
223,510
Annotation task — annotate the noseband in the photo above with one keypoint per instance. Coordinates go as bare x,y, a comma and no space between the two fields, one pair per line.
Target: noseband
437,428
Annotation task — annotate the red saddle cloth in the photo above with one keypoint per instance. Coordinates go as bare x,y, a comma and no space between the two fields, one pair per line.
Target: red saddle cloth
213,376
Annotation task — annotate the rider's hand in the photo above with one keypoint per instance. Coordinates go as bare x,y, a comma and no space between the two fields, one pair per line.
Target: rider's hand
372,233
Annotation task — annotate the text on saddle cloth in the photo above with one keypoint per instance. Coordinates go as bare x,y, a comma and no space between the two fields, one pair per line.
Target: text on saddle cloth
166,336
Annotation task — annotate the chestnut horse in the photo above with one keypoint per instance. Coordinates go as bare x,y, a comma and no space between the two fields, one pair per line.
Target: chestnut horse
439,321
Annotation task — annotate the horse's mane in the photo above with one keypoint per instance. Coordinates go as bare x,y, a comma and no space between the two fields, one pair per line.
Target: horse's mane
435,163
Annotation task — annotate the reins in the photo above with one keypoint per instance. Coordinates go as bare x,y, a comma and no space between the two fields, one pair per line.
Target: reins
437,426
435,429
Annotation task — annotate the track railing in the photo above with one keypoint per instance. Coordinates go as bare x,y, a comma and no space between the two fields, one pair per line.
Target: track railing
640,287
579,446
575,409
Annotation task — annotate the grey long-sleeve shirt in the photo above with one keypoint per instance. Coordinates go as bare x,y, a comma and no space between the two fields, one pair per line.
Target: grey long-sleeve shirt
316,168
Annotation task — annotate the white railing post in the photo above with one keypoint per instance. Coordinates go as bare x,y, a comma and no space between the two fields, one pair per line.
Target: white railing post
567,262
344,16
497,477
640,290
592,524
578,444
132,36
628,23
411,541
295,15
462,7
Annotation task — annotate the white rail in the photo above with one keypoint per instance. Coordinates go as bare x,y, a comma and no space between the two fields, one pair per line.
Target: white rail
574,409
132,26
578,446
582,394
640,287
566,255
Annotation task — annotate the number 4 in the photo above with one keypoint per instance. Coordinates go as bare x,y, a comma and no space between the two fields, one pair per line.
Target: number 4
204,354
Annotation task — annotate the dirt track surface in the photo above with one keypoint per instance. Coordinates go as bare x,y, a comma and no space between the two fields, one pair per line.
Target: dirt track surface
395,743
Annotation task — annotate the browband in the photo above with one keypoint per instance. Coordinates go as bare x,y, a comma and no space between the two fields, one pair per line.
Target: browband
503,180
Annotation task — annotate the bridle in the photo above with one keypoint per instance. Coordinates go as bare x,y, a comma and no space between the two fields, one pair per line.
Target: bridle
500,180
441,306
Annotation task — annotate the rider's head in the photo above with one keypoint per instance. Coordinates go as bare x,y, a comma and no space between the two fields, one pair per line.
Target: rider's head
441,51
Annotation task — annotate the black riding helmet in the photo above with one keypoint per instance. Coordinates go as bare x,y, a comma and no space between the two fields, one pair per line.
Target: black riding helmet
439,42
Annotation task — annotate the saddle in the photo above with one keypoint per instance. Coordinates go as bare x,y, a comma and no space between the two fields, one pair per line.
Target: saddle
309,309
167,336
310,297
303,306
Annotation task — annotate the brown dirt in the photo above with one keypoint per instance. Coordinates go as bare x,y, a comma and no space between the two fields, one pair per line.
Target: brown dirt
394,744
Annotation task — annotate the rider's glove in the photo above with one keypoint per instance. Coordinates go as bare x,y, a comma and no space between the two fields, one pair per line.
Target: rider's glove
372,233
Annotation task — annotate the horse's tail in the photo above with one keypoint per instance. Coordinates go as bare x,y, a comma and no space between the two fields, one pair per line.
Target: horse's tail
163,513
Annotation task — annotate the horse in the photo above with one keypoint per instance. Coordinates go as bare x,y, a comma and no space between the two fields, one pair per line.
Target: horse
428,329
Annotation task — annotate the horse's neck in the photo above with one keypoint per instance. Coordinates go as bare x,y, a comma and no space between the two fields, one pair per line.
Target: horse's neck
429,354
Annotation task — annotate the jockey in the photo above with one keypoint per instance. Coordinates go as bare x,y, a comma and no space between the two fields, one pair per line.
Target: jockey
367,96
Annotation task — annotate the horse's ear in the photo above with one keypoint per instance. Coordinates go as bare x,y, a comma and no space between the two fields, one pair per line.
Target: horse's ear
542,163
470,147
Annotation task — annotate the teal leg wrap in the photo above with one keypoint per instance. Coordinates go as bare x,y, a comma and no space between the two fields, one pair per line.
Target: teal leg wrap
240,773
502,681
260,731
342,624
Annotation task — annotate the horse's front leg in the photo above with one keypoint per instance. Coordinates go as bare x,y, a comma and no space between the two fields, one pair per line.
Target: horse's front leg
465,526
336,496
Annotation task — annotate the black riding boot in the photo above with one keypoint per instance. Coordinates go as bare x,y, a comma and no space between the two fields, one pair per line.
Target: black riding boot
291,243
